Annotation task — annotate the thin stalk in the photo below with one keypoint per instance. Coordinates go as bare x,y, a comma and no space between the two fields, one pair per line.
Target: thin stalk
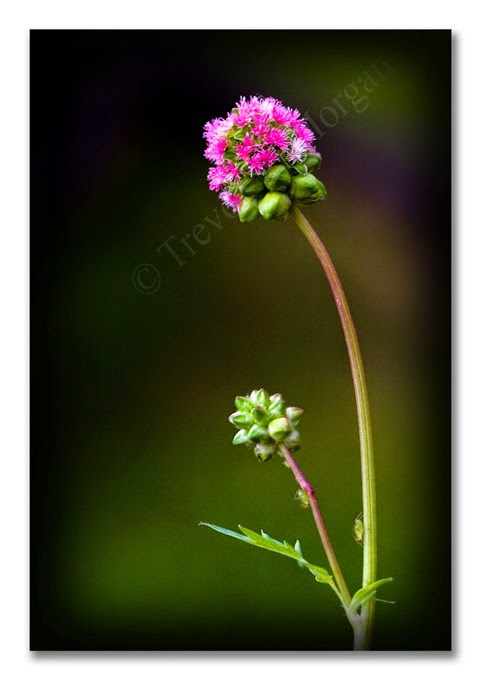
306,486
364,420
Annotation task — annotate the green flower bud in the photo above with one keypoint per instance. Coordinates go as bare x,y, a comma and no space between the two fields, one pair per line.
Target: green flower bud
257,434
264,452
253,396
243,404
277,178
241,438
279,428
302,498
251,186
294,414
278,409
274,204
313,161
259,415
318,195
304,186
301,168
293,441
240,419
262,398
248,211
263,421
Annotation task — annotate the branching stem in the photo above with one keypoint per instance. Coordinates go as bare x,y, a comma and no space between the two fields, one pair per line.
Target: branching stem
306,486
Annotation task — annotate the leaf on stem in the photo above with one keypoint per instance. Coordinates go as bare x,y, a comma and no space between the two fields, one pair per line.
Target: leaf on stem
364,594
266,542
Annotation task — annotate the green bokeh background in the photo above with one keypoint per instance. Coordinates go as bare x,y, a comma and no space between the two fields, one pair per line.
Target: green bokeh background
131,391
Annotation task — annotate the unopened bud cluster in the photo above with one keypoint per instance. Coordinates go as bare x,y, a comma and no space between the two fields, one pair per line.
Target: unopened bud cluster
263,158
264,422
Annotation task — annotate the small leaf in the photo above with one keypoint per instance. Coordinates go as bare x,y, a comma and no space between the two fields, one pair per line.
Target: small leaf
227,532
364,594
297,548
321,575
266,542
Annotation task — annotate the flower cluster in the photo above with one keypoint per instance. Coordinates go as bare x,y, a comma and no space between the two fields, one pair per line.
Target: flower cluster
264,422
263,157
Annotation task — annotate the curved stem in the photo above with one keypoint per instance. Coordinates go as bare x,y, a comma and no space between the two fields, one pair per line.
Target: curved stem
306,486
363,415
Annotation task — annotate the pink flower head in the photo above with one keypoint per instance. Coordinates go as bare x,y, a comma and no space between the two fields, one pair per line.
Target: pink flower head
215,150
258,133
303,132
277,137
217,176
297,150
268,157
231,200
256,164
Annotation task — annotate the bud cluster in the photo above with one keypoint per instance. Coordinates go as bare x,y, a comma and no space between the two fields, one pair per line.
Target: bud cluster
264,422
263,159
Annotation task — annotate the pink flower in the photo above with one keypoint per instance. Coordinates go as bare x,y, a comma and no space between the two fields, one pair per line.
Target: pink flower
256,164
250,140
277,137
233,172
297,150
245,148
231,200
302,131
284,115
243,154
268,157
260,129
217,177
215,150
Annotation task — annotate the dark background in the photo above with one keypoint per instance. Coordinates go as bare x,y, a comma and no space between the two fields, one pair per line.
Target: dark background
131,384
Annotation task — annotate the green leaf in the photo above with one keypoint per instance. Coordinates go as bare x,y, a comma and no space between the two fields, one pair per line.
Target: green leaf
227,532
297,548
364,594
321,575
266,542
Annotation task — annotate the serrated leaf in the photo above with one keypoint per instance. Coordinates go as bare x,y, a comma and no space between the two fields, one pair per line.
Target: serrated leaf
266,542
364,594
321,575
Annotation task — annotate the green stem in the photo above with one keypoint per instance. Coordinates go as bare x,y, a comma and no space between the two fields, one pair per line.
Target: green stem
364,420
307,487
